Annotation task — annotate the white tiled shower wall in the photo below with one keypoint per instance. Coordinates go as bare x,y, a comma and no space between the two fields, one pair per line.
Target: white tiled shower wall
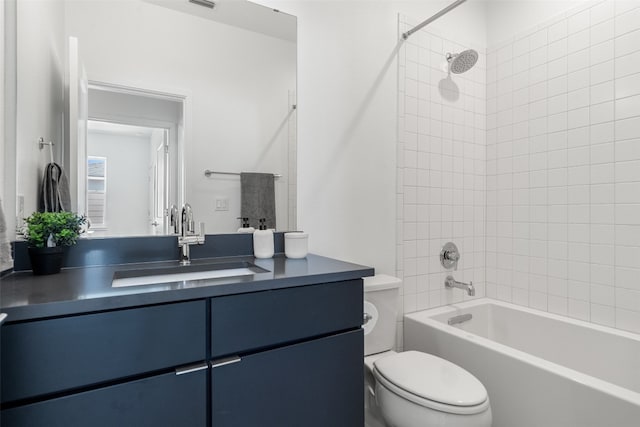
563,166
441,185
550,165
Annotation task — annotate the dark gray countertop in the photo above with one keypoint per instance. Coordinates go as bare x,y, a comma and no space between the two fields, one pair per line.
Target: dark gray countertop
24,296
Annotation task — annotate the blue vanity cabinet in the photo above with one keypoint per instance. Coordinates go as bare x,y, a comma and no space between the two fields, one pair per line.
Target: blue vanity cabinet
284,357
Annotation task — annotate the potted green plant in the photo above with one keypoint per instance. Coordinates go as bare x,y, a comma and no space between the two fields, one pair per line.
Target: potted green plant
48,234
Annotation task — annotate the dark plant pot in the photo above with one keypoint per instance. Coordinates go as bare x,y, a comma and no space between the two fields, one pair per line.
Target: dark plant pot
46,260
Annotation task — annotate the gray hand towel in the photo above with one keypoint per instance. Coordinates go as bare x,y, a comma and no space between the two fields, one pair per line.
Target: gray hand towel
55,195
258,198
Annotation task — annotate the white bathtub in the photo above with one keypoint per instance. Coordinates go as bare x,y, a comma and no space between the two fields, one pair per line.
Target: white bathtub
540,370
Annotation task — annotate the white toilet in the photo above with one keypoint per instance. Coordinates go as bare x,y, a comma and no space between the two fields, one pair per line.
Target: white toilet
412,389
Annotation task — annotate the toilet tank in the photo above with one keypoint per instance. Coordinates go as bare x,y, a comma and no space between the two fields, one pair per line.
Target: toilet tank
381,304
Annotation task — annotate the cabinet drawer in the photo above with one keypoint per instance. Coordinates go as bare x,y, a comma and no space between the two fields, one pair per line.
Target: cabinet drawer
59,354
243,323
163,400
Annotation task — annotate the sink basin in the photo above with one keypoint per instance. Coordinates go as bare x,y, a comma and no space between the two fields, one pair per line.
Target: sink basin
154,276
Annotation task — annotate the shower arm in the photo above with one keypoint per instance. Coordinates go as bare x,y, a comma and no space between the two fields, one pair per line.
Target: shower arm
433,18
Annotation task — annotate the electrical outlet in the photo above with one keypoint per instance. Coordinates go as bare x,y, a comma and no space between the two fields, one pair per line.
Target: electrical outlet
222,204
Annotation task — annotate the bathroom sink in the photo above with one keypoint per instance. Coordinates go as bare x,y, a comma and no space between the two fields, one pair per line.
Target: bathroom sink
154,276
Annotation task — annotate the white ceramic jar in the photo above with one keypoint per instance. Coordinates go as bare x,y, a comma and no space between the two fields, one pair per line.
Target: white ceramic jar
296,245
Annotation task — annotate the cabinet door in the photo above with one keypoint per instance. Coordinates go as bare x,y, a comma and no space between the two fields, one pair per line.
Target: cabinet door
167,400
317,383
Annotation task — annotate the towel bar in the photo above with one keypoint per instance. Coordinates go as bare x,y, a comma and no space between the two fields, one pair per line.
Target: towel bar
208,173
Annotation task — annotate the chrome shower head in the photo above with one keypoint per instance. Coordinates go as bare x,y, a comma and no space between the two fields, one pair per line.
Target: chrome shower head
462,62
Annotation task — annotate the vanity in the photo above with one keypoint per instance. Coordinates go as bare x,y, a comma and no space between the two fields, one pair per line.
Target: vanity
280,347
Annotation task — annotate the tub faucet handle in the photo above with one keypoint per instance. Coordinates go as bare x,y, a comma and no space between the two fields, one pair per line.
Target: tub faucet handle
452,255
449,256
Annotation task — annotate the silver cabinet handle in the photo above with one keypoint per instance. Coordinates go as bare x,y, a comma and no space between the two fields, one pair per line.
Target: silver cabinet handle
225,361
3,317
191,368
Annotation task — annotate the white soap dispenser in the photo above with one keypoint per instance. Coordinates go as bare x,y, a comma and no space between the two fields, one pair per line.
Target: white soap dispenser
263,241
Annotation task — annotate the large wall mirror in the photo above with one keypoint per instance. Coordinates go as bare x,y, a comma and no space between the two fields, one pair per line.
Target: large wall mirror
141,97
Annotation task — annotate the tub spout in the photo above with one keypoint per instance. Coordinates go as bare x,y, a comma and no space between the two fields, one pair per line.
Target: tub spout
450,282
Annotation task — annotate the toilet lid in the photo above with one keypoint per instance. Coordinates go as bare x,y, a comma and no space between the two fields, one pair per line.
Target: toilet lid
432,378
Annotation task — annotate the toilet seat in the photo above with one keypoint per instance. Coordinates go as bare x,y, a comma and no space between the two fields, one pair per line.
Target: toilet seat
431,382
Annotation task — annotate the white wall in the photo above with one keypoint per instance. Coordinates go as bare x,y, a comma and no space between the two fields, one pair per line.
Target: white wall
40,70
237,83
564,166
347,97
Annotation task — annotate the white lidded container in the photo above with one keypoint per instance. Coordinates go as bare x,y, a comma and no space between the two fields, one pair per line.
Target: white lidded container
296,245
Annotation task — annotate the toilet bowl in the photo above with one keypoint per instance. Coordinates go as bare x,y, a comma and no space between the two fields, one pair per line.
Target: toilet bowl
413,389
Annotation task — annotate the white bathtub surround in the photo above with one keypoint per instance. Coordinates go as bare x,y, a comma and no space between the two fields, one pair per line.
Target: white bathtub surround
539,369
563,166
441,169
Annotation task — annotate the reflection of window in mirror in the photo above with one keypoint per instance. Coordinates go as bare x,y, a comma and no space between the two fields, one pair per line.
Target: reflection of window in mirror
97,191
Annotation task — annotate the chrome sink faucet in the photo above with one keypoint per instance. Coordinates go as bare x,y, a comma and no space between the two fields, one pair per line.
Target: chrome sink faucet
187,235
450,282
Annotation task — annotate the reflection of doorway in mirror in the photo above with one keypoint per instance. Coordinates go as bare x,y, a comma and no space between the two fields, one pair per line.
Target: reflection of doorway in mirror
126,195
148,127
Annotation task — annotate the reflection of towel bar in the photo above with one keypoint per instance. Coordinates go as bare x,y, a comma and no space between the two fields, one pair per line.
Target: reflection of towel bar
208,173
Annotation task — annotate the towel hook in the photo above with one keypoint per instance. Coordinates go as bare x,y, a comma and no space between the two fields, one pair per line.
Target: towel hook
41,144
